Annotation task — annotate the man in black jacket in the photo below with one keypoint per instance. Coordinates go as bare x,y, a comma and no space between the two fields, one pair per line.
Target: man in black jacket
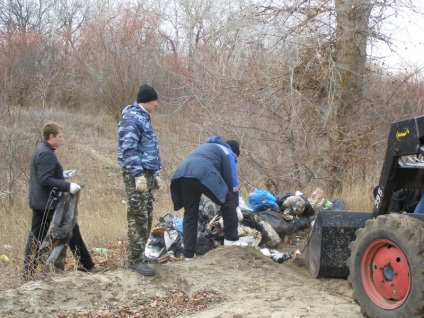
46,181
210,169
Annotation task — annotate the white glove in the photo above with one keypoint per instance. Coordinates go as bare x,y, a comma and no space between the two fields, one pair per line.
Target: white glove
74,188
141,184
69,174
239,214
157,181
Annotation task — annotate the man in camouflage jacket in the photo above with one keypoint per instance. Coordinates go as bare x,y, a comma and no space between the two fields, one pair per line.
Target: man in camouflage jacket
138,155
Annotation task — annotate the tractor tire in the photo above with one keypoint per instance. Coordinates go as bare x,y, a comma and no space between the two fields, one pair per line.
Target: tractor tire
386,267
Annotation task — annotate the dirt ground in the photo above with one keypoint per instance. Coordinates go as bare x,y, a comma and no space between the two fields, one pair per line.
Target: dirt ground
226,282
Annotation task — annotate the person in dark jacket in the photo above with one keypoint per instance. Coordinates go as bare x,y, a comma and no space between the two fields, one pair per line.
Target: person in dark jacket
406,200
45,182
210,169
138,155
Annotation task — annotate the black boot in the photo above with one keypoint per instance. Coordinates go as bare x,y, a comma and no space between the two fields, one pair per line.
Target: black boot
143,268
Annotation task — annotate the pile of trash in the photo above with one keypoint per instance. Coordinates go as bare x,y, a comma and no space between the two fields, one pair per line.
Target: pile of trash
264,221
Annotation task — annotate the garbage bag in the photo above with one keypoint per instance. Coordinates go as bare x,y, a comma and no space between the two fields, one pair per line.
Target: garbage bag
281,198
260,200
207,210
281,226
55,243
274,238
294,204
205,241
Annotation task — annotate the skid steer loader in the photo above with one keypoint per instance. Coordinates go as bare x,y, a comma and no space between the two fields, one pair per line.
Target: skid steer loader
379,252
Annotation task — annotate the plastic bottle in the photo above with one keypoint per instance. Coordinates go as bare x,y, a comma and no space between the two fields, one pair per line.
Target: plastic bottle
280,257
101,250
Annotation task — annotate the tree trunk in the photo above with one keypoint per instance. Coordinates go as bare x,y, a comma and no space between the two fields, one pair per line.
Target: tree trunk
349,68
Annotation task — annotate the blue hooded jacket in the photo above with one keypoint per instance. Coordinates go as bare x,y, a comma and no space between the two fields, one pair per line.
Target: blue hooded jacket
214,165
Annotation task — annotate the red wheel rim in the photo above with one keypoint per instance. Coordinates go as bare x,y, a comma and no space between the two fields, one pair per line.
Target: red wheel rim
385,274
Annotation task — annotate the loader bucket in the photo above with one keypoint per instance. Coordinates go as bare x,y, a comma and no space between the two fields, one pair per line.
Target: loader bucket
328,244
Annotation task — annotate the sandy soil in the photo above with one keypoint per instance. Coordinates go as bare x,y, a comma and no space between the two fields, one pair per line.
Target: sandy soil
226,282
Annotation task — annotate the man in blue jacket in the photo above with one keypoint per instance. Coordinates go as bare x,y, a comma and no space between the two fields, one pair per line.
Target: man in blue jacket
138,155
210,169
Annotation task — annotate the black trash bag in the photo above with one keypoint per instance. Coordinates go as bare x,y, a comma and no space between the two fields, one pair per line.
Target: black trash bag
205,241
157,241
309,211
284,227
55,243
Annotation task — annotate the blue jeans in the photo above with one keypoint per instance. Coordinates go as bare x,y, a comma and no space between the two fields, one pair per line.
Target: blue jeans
420,206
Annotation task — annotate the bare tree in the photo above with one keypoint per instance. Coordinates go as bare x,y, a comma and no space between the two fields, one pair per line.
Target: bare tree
116,55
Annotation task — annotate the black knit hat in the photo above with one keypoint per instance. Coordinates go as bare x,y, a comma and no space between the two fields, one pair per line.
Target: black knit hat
234,145
146,94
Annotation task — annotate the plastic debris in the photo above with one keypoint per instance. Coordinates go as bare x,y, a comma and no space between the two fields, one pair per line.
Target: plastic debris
101,250
171,237
294,204
265,251
280,257
259,200
152,252
249,239
69,174
275,255
178,224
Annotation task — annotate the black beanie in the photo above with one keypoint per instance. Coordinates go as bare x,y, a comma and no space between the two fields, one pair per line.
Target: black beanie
146,94
234,145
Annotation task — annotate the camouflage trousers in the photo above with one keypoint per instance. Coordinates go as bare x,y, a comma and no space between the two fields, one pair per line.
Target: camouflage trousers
139,215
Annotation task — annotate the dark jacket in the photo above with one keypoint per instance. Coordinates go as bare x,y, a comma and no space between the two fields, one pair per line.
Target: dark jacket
46,173
213,164
405,200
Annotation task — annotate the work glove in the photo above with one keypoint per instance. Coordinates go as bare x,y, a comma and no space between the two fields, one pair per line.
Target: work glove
141,184
69,174
74,188
156,182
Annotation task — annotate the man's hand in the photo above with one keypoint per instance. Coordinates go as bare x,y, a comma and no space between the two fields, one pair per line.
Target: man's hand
141,184
74,188
69,173
157,182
